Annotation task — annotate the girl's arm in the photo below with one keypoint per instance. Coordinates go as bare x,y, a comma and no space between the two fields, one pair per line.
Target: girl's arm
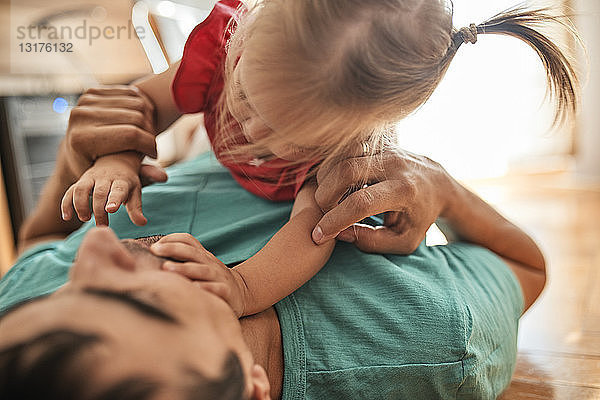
286,262
157,89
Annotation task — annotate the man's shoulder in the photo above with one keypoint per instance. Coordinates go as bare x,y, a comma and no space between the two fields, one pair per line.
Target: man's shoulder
38,271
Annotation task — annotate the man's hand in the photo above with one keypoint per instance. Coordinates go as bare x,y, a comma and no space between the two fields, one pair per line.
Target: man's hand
110,120
201,266
105,121
411,190
113,180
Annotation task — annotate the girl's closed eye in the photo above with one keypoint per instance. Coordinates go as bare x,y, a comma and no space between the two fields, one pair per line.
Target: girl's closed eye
242,95
254,129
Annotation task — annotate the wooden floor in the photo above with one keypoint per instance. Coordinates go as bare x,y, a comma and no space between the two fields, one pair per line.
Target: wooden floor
559,340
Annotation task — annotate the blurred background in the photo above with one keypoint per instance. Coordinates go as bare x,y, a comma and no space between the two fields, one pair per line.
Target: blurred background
488,124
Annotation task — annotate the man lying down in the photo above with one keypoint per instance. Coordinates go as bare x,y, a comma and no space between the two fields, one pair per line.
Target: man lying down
96,316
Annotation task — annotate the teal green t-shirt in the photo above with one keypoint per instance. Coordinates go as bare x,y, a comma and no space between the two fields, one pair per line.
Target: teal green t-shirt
439,323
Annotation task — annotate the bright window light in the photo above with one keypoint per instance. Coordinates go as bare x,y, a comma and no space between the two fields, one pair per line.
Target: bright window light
489,111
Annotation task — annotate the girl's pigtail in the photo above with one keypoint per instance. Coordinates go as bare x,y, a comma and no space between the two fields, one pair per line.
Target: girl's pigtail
524,24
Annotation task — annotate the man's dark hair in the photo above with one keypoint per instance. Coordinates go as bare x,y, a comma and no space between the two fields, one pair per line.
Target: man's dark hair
51,366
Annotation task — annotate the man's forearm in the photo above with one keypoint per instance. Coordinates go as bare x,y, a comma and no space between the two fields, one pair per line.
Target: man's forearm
45,223
473,220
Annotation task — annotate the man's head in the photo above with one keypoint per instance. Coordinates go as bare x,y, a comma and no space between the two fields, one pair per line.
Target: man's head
121,329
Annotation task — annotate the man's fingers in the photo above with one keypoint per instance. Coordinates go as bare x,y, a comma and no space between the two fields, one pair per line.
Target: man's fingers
114,91
101,190
114,101
381,239
334,181
81,198
134,207
359,205
126,137
192,270
102,140
125,102
119,191
123,90
111,116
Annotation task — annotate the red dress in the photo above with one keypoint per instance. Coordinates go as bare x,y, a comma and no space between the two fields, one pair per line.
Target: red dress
197,87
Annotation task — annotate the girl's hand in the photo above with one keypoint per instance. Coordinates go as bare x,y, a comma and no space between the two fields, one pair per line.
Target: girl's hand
110,120
114,180
198,264
411,190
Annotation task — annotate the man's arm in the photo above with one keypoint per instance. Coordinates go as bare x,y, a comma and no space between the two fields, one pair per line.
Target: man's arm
414,191
468,218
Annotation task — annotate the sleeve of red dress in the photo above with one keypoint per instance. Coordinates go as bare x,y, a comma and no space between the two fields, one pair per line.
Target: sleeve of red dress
203,54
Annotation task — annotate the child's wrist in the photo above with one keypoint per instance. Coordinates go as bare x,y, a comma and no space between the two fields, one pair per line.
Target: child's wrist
130,159
241,310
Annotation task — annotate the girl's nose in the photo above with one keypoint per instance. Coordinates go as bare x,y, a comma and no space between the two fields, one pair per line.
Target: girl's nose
255,129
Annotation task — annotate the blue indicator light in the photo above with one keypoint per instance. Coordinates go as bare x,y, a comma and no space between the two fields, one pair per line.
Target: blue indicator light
60,105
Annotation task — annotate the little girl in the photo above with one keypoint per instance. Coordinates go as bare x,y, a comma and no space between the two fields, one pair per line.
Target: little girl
287,87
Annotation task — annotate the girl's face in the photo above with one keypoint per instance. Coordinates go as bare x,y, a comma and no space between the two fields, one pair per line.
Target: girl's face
258,121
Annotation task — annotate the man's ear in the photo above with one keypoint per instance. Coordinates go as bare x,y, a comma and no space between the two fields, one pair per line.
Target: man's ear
261,388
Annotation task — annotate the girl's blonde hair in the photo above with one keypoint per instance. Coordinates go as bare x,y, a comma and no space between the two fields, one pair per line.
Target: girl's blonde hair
340,73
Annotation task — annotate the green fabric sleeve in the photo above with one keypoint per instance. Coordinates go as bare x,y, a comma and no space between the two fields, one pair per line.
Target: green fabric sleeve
26,281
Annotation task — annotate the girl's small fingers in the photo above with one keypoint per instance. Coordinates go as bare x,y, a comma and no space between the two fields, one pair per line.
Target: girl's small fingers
81,199
153,173
101,189
66,205
217,288
117,196
182,238
191,270
134,207
177,251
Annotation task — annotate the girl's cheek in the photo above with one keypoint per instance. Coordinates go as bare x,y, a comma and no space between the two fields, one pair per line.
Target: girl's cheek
255,130
237,111
287,152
